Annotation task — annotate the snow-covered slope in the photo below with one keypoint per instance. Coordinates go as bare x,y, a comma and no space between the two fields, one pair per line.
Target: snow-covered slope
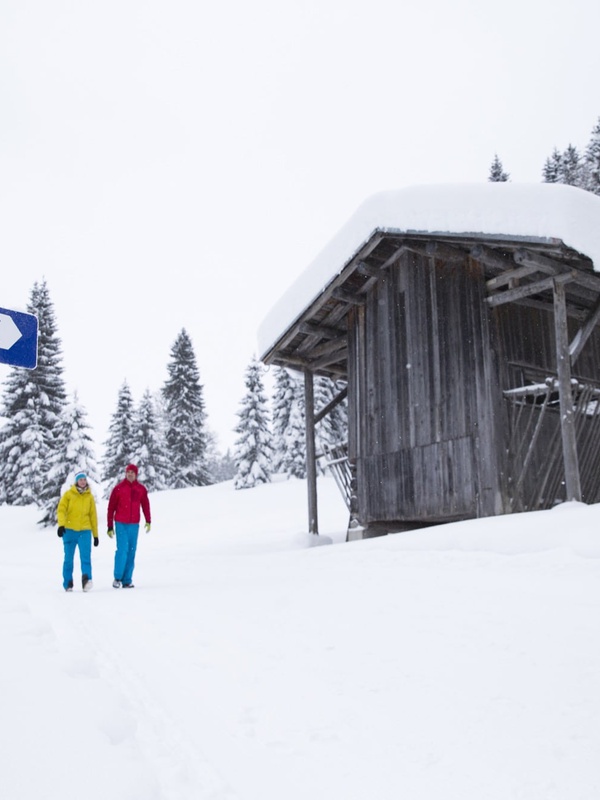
459,662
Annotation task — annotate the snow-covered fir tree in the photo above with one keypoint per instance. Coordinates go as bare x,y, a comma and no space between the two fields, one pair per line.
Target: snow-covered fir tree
281,406
592,161
149,450
552,170
570,167
497,173
33,402
333,428
289,425
221,466
74,453
120,443
253,452
185,417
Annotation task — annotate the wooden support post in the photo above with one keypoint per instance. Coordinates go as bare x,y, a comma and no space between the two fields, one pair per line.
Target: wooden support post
567,416
311,458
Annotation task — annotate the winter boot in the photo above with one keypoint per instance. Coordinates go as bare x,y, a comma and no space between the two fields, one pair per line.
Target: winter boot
86,583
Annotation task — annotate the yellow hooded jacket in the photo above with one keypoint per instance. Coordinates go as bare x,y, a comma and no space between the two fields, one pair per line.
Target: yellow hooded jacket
77,511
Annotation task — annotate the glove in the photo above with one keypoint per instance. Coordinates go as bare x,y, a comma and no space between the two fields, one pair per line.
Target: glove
110,532
95,541
147,526
60,530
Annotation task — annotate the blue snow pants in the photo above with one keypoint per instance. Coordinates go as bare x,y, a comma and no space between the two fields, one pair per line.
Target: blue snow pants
71,541
127,538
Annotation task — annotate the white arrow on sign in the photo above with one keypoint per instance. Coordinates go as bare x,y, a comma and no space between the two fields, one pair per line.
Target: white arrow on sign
9,333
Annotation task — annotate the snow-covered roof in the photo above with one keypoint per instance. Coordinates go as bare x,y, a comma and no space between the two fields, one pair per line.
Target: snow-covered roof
528,211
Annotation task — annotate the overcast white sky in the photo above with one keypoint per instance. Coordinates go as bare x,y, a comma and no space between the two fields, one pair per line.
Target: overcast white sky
170,164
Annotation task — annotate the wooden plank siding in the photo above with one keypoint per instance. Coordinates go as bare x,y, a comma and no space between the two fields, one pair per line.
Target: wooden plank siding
422,430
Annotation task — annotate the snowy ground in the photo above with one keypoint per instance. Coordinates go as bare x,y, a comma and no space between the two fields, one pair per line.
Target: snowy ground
461,662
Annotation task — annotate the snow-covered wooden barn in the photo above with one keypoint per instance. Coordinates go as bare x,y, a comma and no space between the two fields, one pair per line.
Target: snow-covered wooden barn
464,320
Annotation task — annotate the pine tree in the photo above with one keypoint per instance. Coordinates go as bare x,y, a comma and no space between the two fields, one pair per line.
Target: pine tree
74,453
186,434
120,442
149,446
497,174
253,449
333,428
282,404
32,404
553,168
289,425
221,466
592,161
570,167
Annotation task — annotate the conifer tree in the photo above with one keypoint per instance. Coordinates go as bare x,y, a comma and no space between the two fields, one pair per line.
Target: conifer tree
282,404
553,168
32,404
74,453
149,446
289,425
120,442
592,161
497,174
185,421
570,167
333,428
253,451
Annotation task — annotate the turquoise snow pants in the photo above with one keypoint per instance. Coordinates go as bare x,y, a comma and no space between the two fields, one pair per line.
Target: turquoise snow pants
127,538
71,541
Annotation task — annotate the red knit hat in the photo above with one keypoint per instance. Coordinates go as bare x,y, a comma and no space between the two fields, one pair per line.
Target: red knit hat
131,467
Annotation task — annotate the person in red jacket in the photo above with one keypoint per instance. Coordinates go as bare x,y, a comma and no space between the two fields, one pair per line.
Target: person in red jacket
124,505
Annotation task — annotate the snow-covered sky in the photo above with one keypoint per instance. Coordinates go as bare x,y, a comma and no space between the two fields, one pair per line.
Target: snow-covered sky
178,164
459,662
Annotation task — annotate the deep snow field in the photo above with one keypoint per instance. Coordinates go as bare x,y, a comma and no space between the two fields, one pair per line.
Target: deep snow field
458,663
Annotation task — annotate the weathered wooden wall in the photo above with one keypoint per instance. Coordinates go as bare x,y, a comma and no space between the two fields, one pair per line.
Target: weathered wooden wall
425,404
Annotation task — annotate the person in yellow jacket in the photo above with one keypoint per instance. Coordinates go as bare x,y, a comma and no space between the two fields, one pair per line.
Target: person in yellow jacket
77,523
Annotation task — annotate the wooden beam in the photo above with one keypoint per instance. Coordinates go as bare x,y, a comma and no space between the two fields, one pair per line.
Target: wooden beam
311,458
324,331
347,297
489,258
587,279
330,346
331,405
526,258
510,295
510,275
567,414
367,270
583,334
389,262
445,252
326,361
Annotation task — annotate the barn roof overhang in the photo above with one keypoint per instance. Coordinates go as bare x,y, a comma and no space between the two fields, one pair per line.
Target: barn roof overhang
517,269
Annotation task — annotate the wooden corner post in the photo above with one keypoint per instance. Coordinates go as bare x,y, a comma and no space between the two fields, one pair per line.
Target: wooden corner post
567,415
311,458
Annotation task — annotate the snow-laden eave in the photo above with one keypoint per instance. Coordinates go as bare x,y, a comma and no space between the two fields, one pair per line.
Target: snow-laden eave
551,214
292,295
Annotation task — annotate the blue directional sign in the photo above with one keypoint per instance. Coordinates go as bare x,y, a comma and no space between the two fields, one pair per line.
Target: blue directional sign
18,339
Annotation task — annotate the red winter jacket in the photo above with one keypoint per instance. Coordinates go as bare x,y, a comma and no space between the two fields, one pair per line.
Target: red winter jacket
125,501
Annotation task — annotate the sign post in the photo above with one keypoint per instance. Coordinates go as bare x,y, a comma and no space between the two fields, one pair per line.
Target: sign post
18,339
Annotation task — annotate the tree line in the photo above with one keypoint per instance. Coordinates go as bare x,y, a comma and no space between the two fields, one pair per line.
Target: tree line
46,436
569,166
